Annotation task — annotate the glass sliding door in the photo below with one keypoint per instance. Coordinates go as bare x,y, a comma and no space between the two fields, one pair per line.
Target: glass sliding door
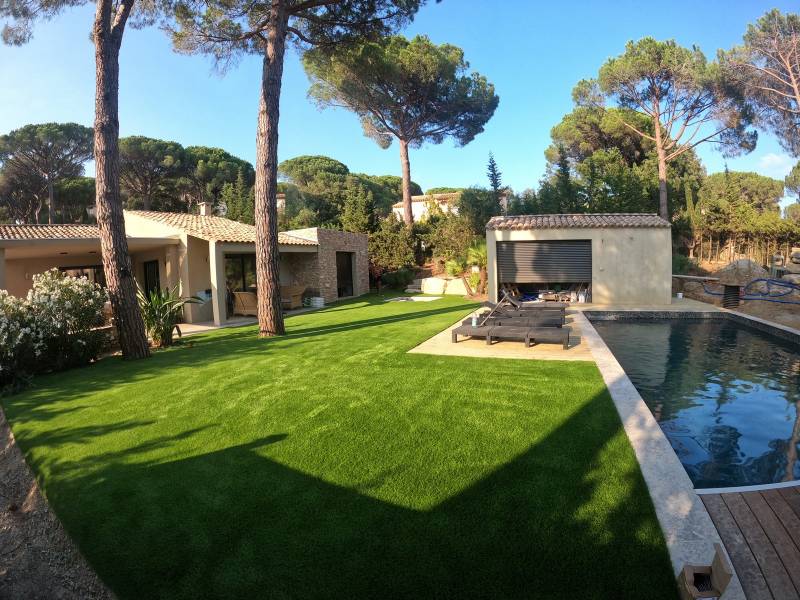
240,272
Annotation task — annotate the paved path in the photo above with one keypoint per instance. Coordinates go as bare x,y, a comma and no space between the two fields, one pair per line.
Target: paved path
442,344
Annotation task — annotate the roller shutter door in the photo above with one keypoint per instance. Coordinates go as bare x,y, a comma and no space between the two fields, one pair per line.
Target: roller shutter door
551,261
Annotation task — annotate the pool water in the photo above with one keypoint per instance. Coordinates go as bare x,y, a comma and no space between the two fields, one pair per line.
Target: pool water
726,396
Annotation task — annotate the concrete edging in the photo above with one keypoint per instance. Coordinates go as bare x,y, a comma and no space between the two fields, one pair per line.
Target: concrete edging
688,529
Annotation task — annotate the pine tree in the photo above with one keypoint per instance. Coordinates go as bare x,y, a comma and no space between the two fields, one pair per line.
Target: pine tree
238,200
359,213
564,186
495,177
231,201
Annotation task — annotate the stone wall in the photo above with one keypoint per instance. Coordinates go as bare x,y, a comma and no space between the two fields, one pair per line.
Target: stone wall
303,269
331,242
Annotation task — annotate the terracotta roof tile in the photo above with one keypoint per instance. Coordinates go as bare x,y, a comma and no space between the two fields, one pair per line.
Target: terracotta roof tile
577,221
49,232
218,229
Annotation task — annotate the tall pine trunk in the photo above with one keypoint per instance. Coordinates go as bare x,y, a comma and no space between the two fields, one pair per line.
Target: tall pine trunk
663,211
270,317
51,209
113,243
405,165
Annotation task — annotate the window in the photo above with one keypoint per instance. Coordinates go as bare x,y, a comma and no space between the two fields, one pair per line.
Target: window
240,272
93,273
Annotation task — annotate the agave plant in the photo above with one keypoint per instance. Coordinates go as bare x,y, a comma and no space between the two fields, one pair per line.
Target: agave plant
161,311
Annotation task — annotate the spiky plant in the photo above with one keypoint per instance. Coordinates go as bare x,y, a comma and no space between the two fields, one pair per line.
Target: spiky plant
161,310
476,255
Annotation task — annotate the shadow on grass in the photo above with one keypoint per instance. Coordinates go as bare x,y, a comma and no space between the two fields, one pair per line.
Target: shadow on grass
236,524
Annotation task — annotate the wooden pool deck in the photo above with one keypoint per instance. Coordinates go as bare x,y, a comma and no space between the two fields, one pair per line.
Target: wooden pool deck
761,532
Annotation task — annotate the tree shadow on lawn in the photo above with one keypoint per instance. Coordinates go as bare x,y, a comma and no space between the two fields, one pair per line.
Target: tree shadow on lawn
236,524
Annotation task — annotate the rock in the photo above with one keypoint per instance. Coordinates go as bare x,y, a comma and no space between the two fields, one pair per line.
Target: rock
455,287
433,285
792,278
741,272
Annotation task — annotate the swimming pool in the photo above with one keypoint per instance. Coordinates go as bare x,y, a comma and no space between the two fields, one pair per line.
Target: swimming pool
727,396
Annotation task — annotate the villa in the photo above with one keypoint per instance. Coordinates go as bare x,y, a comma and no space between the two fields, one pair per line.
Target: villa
421,205
204,255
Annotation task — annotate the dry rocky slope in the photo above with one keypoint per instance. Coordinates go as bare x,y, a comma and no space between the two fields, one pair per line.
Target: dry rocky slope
37,558
741,272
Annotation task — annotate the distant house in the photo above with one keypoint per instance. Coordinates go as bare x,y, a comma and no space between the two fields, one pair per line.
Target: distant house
421,205
447,203
202,254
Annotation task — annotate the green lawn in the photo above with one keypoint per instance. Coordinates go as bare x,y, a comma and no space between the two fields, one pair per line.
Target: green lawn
332,464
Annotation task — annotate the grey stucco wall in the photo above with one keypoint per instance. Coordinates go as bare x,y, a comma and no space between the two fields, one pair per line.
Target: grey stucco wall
630,265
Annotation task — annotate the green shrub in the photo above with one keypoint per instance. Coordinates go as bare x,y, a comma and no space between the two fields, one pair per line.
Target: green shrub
161,311
682,264
455,267
391,247
399,279
475,282
20,342
450,236
67,312
53,328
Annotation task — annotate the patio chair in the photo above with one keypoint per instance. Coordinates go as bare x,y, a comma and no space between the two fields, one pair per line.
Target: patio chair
292,296
245,303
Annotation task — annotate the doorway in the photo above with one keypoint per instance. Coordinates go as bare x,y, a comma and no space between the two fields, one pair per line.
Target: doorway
344,274
151,277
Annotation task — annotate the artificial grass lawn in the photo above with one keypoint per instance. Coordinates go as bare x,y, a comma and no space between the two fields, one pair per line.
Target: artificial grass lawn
332,464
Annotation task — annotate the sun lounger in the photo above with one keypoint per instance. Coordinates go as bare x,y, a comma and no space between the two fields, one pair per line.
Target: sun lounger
553,335
534,320
509,332
467,330
545,315
528,335
532,306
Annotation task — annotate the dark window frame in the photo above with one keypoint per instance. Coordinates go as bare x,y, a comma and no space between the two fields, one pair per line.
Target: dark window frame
242,259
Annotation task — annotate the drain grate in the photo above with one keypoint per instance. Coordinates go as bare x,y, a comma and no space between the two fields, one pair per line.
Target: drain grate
702,581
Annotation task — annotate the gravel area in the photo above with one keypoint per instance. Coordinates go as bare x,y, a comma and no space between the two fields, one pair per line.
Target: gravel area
37,558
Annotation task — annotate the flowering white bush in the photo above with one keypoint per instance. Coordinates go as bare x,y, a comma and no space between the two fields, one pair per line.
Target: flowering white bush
20,341
52,329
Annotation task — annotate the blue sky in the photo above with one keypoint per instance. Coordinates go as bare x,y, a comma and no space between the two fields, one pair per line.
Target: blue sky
534,52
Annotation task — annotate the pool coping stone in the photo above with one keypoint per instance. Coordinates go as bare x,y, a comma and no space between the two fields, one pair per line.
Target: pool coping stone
688,529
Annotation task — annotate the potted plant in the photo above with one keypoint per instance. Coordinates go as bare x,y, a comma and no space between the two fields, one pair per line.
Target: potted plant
161,311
